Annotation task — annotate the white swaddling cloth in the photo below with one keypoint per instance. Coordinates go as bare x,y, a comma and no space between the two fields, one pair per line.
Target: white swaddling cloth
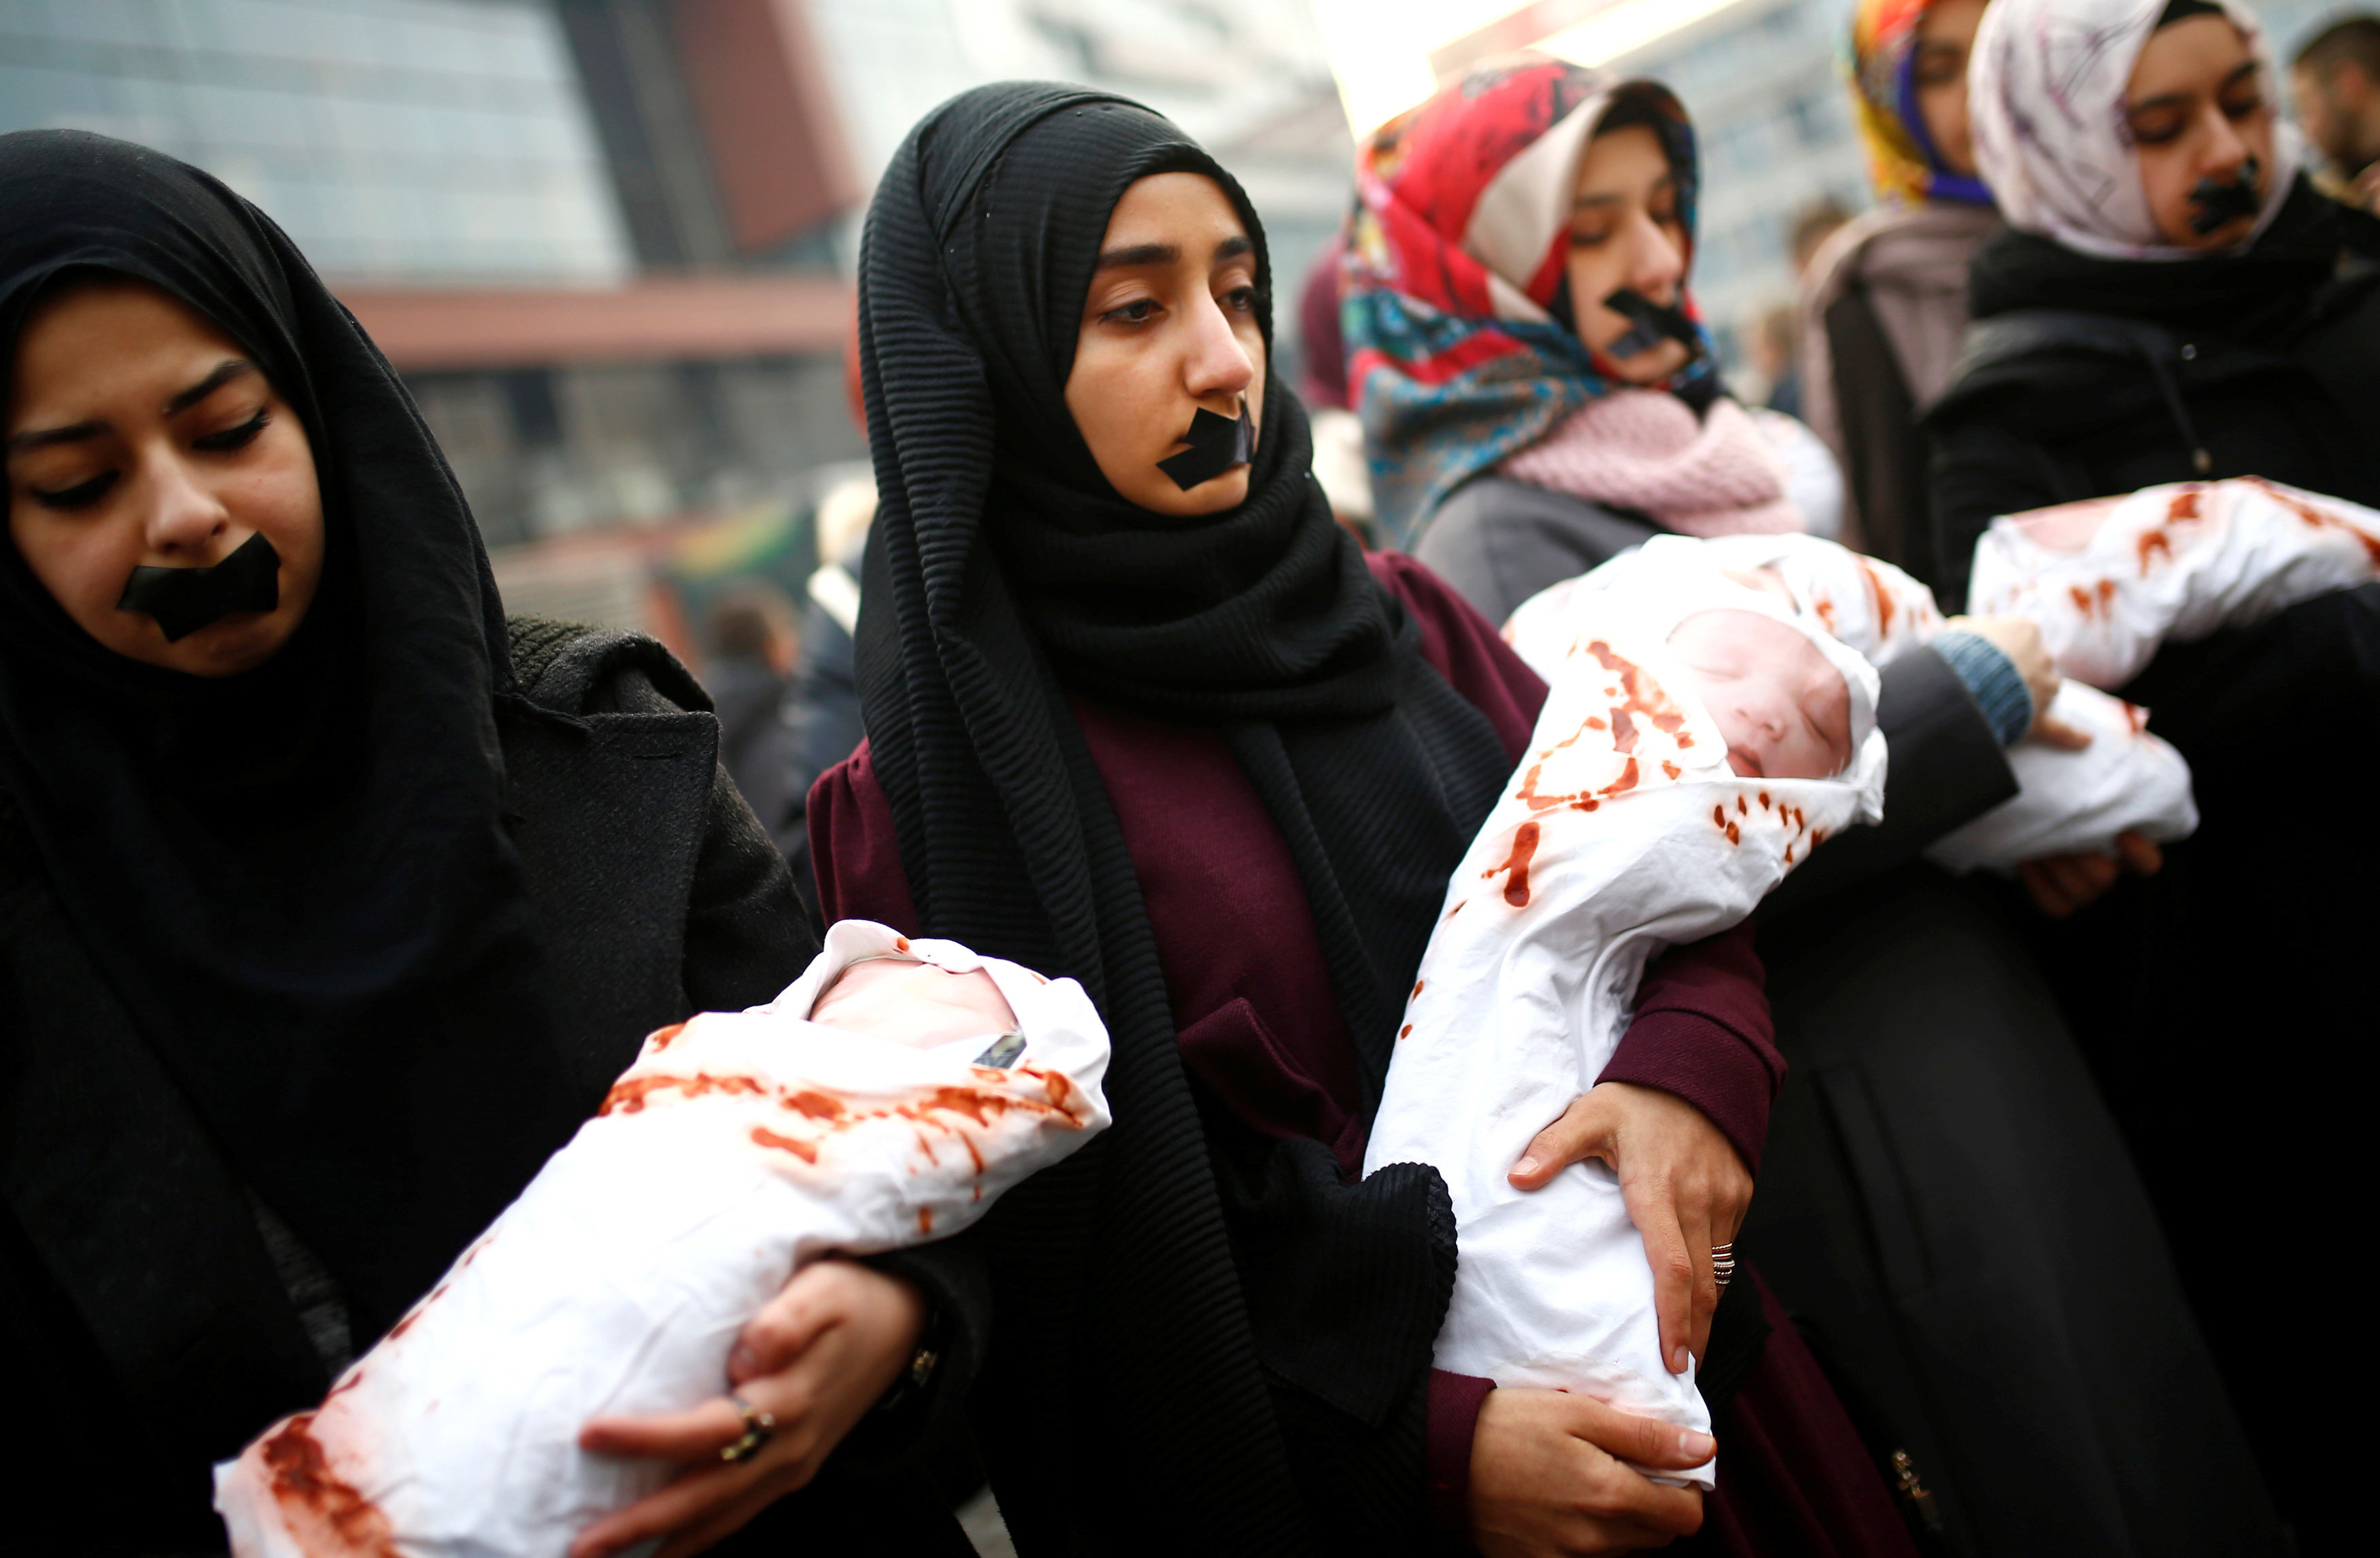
738,1146
2066,802
1623,832
2111,579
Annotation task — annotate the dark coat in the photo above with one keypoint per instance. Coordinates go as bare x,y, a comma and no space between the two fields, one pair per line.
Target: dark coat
2052,405
143,1324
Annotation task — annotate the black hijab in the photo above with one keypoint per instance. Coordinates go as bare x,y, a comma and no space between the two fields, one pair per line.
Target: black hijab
296,880
1003,571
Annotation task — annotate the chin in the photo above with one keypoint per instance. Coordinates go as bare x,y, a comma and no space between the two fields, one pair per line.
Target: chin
1212,497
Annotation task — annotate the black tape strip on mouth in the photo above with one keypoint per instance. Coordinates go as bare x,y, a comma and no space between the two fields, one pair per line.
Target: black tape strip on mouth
2219,204
1654,322
1217,443
185,599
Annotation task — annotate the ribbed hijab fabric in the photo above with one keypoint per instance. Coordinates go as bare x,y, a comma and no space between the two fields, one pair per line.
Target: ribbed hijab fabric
1003,571
296,879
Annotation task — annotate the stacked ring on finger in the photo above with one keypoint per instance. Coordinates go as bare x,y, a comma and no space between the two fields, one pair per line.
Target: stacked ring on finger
760,1427
1723,1262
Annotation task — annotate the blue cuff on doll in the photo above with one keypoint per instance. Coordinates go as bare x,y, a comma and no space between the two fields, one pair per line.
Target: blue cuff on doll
1992,680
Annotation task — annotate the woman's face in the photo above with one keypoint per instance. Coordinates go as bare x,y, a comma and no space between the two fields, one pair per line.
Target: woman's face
1169,329
1625,232
2197,112
1945,35
141,436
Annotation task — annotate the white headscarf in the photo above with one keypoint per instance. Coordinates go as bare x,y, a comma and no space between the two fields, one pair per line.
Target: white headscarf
2046,92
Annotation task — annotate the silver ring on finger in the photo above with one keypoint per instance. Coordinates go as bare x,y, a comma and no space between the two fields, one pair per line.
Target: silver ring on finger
1723,1263
760,1427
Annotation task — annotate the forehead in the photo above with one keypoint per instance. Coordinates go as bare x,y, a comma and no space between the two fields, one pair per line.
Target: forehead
1628,158
88,337
2191,55
1178,208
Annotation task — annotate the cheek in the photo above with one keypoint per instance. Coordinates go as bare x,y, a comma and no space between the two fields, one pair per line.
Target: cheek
1594,274
82,561
1106,395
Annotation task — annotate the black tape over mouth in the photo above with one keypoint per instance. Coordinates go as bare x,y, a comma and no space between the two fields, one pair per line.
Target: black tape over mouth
2217,205
1654,323
185,599
1217,445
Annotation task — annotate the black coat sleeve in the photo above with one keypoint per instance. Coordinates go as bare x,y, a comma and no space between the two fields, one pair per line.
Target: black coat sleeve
1500,542
1947,767
1982,468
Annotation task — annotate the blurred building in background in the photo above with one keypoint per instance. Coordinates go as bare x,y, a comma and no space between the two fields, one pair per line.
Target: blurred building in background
610,243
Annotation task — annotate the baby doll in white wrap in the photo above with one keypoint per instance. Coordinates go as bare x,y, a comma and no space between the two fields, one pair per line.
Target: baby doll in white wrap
1707,724
889,1096
2111,579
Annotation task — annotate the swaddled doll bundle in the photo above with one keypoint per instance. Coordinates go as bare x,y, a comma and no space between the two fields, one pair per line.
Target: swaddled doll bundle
2111,579
738,1147
1625,830
2067,800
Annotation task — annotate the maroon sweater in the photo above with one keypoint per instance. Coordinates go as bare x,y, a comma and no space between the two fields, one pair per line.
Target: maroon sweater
1258,1026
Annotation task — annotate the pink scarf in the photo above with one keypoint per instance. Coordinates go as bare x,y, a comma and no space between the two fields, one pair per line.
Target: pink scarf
1646,450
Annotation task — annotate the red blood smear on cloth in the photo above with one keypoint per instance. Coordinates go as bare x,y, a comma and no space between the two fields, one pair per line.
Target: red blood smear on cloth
2152,541
1525,849
660,1037
629,1094
328,1518
1883,598
806,1150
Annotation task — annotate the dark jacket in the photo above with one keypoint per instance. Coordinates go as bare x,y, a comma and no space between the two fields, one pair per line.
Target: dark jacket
144,1322
2058,397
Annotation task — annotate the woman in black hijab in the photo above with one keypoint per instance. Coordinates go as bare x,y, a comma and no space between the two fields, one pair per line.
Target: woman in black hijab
332,903
1143,714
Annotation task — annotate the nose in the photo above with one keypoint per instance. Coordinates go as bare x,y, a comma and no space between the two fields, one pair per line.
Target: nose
1217,362
1656,267
187,520
2225,151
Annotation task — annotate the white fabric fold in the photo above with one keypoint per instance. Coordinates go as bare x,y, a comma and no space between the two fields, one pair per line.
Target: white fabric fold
738,1147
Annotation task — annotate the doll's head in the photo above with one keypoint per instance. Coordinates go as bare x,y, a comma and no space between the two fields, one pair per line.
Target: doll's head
914,1002
1782,707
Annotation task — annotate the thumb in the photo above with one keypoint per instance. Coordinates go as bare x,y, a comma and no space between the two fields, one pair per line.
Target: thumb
2140,856
1640,1440
1583,1131
2053,732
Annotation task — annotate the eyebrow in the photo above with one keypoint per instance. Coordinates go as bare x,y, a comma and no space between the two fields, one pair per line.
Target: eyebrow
1167,253
1666,182
78,433
2168,100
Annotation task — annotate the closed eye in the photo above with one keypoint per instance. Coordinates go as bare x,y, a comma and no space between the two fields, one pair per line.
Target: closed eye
82,494
1137,312
231,438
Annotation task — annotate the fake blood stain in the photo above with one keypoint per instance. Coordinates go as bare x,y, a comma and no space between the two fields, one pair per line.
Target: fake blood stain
323,1512
1525,849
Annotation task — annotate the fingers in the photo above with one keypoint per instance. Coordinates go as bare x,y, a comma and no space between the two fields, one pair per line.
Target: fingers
2061,885
672,1436
1673,1261
1638,1440
2051,732
2140,854
1583,1131
731,1517
785,1326
689,1504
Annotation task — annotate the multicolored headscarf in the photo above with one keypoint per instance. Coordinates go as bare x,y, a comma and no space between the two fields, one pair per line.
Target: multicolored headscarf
1881,68
1456,310
2046,95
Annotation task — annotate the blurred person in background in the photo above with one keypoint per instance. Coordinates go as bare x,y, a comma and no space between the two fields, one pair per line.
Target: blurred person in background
1777,354
747,672
1176,730
1884,304
1813,226
334,900
2171,300
2012,1336
1520,429
824,701
2336,81
1338,437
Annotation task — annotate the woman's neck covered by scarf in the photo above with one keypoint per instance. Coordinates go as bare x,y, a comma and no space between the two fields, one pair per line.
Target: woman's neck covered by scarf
2046,92
1456,307
1880,63
296,879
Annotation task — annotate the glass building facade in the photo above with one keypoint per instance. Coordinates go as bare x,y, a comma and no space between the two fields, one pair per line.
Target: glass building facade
424,141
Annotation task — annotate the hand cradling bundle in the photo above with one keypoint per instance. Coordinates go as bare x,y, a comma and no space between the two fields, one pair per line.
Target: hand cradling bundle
1623,832
738,1147
2111,579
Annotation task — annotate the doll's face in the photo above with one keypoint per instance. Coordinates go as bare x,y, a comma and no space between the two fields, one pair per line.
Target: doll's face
1169,329
2198,114
913,1003
141,436
1626,231
1945,35
1781,705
